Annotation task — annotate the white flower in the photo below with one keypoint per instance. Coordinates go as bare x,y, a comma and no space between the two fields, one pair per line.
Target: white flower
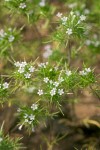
34,106
23,64
59,15
42,3
27,75
31,117
46,80
0,85
64,19
83,73
82,17
87,70
22,5
53,92
20,127
68,72
69,31
5,85
31,69
21,70
42,65
17,64
11,38
40,92
56,84
60,91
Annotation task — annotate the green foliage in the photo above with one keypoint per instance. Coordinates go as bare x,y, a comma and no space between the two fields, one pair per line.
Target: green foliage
7,143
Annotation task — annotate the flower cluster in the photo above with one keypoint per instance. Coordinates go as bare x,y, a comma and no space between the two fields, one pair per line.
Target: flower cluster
4,85
3,90
43,65
7,38
29,116
85,71
53,88
24,70
72,24
26,8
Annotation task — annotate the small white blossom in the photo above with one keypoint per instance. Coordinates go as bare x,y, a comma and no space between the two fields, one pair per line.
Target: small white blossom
56,84
64,19
87,70
60,91
5,85
40,92
27,75
31,69
42,65
42,3
53,92
59,15
22,5
23,64
11,38
31,117
68,72
82,17
69,31
46,80
20,127
21,70
0,85
83,73
17,64
34,107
